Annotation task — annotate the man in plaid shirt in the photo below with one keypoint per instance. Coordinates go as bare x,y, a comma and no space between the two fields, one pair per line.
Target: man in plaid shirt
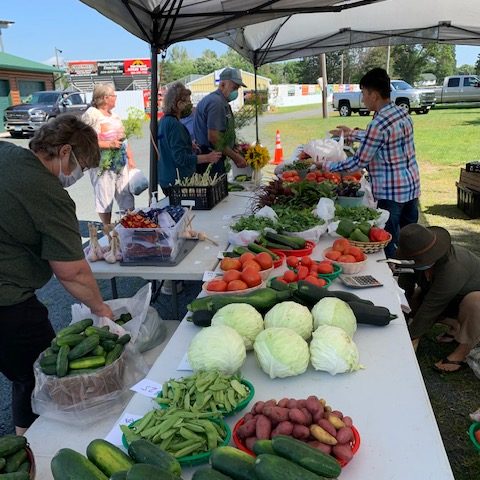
387,151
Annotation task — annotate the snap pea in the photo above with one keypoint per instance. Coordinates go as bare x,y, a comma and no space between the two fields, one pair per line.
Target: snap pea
188,450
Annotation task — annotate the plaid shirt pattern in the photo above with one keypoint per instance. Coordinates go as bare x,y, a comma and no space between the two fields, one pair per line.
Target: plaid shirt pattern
388,153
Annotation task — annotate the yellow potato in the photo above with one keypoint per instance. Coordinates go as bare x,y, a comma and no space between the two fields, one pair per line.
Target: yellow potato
322,435
335,421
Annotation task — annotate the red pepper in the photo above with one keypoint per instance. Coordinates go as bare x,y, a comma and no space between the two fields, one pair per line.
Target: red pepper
378,234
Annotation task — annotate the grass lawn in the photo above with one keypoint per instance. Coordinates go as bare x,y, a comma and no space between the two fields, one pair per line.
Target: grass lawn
445,140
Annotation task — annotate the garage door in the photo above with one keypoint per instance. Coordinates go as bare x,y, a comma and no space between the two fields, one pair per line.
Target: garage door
27,87
4,99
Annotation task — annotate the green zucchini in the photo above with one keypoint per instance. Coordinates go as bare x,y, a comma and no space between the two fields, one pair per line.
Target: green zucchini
295,243
71,465
124,339
306,456
273,467
201,318
263,446
71,339
371,314
278,246
143,451
239,251
11,443
209,474
15,460
15,476
144,471
77,327
256,248
114,354
281,286
234,463
87,362
62,361
262,299
107,457
84,347
103,333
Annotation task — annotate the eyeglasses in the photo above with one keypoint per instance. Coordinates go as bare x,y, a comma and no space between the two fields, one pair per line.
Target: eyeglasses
111,95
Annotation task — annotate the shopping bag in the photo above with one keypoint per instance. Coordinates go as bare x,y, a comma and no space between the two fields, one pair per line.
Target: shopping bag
137,181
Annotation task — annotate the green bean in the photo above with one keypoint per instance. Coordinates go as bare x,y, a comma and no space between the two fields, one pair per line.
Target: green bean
189,435
187,450
143,422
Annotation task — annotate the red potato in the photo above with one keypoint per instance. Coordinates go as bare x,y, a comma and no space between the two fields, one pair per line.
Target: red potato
313,405
302,403
297,416
283,428
263,427
347,421
248,417
249,442
270,403
337,413
283,402
318,415
326,425
343,452
301,432
248,428
308,415
276,414
323,447
344,435
292,403
257,407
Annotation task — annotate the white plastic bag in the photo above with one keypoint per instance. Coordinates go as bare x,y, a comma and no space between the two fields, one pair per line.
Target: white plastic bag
313,234
473,360
326,149
267,212
325,209
242,238
382,220
137,181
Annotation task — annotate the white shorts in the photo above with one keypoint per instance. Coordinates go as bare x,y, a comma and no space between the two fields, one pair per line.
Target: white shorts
109,186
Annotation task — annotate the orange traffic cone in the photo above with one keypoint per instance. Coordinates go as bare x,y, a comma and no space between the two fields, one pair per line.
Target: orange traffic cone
278,157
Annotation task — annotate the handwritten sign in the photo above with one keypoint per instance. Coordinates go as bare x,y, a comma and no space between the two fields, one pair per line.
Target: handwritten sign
184,364
115,434
207,276
147,387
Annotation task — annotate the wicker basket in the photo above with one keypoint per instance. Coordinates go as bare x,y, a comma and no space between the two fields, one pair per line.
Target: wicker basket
371,247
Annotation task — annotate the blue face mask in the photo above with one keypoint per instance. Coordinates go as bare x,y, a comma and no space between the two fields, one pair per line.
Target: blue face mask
233,96
426,267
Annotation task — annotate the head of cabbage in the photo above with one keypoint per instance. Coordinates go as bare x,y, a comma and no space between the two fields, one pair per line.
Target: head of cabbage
281,352
217,348
243,318
291,315
335,312
333,351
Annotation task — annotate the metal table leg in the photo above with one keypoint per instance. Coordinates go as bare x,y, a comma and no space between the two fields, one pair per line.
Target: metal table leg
175,299
113,283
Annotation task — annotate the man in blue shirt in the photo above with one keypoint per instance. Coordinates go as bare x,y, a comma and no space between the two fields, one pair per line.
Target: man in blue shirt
214,125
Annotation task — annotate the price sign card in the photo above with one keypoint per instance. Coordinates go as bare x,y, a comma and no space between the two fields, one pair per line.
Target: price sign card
184,364
207,276
147,387
115,434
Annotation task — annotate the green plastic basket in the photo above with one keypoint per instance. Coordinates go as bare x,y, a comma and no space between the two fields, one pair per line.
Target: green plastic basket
471,431
337,270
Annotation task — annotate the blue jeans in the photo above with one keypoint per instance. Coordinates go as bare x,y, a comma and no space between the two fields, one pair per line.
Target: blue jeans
401,214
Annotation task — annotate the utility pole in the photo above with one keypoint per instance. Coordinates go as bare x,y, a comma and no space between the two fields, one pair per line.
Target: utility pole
388,59
323,63
341,68
55,80
4,24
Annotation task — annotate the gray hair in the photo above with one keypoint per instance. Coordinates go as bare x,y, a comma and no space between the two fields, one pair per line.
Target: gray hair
175,93
100,91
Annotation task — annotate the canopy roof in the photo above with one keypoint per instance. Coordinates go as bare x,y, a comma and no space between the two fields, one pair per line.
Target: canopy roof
164,22
381,23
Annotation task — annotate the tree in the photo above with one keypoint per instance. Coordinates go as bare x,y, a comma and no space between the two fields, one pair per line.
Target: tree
207,63
233,59
441,60
177,65
477,65
465,70
409,61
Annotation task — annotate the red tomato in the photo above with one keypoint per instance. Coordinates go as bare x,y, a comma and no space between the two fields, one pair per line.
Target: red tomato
247,256
311,176
264,260
356,252
251,277
290,276
292,261
231,275
313,269
321,282
477,435
333,254
302,272
340,244
325,267
236,285
307,261
347,259
252,264
282,280
230,264
217,286
311,279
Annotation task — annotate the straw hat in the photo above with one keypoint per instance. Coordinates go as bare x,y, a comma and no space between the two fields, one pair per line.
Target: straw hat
424,245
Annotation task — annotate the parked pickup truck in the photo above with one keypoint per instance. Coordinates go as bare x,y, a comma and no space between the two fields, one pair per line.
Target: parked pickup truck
26,118
411,99
459,88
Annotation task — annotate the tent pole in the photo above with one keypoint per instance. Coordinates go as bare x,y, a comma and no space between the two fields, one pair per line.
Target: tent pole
153,188
256,104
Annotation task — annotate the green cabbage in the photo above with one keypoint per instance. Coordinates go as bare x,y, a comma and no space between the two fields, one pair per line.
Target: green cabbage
243,318
333,351
335,312
291,315
281,352
217,348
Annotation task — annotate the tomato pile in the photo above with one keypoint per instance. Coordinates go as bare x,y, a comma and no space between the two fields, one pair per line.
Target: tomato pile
307,269
135,220
241,273
344,252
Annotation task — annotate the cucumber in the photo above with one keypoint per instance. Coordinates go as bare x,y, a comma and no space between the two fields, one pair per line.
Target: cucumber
273,467
107,457
278,246
82,371
71,339
202,318
103,333
234,463
143,451
49,369
239,251
15,476
77,327
3,462
54,346
84,347
209,474
114,354
98,350
144,471
119,475
124,339
256,248
48,360
263,446
15,460
25,466
296,243
67,464
87,362
306,456
108,345
62,361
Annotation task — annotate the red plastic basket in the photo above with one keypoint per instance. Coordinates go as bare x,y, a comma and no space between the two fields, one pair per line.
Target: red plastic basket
279,262
355,444
309,246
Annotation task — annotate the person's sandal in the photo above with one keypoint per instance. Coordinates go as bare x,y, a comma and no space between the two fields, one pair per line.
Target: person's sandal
445,361
445,338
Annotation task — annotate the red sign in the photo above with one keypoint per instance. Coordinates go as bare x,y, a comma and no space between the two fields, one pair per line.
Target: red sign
146,102
139,66
82,68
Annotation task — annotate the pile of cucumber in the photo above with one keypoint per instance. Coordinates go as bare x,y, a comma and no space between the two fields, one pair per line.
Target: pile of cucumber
82,348
14,461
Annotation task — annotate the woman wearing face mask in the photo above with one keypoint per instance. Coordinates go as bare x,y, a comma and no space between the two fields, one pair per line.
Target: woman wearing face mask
110,179
214,123
39,237
177,159
445,288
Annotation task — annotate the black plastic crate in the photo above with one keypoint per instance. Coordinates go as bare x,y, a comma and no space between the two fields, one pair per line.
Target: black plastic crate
205,198
473,166
468,201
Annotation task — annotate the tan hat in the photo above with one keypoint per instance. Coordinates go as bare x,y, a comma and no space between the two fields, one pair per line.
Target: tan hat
232,74
424,245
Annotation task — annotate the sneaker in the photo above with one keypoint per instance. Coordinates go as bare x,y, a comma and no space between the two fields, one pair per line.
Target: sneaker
167,287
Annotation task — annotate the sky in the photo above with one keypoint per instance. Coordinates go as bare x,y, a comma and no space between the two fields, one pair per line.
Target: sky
81,33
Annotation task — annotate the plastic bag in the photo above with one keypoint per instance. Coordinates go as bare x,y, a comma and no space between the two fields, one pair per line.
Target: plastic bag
313,234
242,238
137,181
326,150
473,360
86,398
152,331
267,212
325,209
